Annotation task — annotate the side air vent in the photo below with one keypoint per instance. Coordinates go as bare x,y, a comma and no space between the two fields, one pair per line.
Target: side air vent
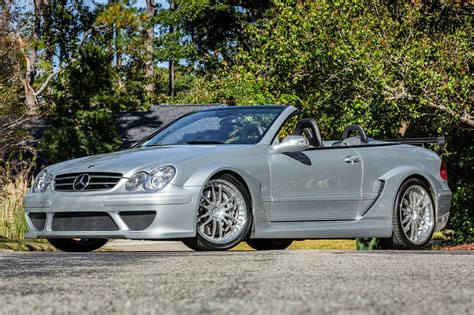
138,220
38,219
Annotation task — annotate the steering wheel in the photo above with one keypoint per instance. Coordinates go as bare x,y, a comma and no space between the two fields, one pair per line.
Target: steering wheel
347,131
250,133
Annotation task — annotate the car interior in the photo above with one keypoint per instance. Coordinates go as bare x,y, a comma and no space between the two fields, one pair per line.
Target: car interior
309,129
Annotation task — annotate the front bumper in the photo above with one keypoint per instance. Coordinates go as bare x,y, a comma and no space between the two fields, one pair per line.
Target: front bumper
175,213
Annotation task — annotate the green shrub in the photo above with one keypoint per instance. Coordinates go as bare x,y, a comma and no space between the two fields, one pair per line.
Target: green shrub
86,133
395,68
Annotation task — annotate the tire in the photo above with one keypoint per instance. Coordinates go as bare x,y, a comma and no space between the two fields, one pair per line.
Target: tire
264,244
413,217
222,223
72,245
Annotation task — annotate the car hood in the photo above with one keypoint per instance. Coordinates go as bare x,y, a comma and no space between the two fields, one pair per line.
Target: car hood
129,161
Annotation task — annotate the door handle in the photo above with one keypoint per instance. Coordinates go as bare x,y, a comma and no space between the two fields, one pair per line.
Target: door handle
351,159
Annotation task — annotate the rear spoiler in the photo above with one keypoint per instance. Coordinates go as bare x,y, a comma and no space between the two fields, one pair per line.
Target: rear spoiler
419,141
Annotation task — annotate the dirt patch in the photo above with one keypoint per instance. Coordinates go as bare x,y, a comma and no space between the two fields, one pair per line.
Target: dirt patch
458,247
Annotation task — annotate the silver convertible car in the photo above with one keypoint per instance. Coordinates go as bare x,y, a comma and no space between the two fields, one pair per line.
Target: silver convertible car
216,177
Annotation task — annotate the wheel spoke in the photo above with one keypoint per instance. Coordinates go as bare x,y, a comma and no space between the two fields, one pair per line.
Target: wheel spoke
404,221
228,216
220,229
412,199
407,227
206,207
425,204
227,202
415,199
220,194
206,199
214,226
213,192
231,208
226,222
412,231
207,221
204,215
417,230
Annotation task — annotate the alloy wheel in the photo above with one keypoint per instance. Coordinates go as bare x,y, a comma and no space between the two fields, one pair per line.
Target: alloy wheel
222,213
416,214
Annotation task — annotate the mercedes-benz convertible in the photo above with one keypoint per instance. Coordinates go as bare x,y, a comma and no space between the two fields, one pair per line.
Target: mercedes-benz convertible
216,177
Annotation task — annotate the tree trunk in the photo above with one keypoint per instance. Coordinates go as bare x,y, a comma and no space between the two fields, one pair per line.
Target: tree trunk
29,80
150,37
171,62
171,79
5,7
48,32
404,127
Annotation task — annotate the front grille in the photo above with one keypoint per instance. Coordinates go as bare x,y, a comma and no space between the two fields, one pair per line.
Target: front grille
138,220
97,181
83,221
38,219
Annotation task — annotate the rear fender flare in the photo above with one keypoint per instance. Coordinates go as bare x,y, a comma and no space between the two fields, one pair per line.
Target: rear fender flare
396,177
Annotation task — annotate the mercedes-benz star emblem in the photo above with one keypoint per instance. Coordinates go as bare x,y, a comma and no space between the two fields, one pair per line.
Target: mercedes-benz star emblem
81,182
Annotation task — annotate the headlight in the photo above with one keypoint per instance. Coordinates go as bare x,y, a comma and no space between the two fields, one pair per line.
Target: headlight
42,181
136,181
153,181
159,178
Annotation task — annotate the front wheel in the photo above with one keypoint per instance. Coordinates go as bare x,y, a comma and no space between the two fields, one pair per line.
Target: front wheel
263,244
77,245
413,217
224,216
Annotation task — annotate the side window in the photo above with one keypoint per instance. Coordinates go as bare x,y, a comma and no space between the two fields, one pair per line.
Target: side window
287,128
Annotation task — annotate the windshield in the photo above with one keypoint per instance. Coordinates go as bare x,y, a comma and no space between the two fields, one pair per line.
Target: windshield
234,125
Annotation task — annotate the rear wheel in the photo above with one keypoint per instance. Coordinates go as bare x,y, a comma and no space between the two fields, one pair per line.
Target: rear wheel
264,244
77,245
224,216
413,217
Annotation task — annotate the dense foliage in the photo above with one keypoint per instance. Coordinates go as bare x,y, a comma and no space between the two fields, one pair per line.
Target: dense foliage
403,71
397,68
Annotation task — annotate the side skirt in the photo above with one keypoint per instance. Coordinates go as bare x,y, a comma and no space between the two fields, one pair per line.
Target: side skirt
368,227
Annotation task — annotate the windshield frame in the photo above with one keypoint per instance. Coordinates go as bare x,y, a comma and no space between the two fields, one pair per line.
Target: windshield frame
140,143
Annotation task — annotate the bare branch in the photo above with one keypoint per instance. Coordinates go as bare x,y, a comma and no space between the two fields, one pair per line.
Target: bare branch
464,118
402,94
46,82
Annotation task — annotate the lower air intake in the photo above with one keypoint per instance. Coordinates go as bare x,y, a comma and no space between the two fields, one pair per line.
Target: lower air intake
38,219
83,221
138,220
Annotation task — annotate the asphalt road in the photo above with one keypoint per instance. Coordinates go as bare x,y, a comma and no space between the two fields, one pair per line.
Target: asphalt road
290,282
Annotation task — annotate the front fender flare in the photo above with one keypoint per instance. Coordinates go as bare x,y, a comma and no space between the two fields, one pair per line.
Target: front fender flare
203,174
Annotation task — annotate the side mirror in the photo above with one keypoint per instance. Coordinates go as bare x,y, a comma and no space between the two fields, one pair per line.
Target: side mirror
291,144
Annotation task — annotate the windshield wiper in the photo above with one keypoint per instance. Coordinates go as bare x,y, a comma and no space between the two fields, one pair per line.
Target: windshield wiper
204,142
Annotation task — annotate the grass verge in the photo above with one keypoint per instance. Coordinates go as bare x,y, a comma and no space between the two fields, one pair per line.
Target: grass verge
25,245
312,244
12,192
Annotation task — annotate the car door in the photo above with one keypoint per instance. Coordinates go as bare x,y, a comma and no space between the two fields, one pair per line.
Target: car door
377,160
315,184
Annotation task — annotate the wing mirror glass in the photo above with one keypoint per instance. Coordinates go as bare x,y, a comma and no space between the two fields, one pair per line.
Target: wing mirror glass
291,144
